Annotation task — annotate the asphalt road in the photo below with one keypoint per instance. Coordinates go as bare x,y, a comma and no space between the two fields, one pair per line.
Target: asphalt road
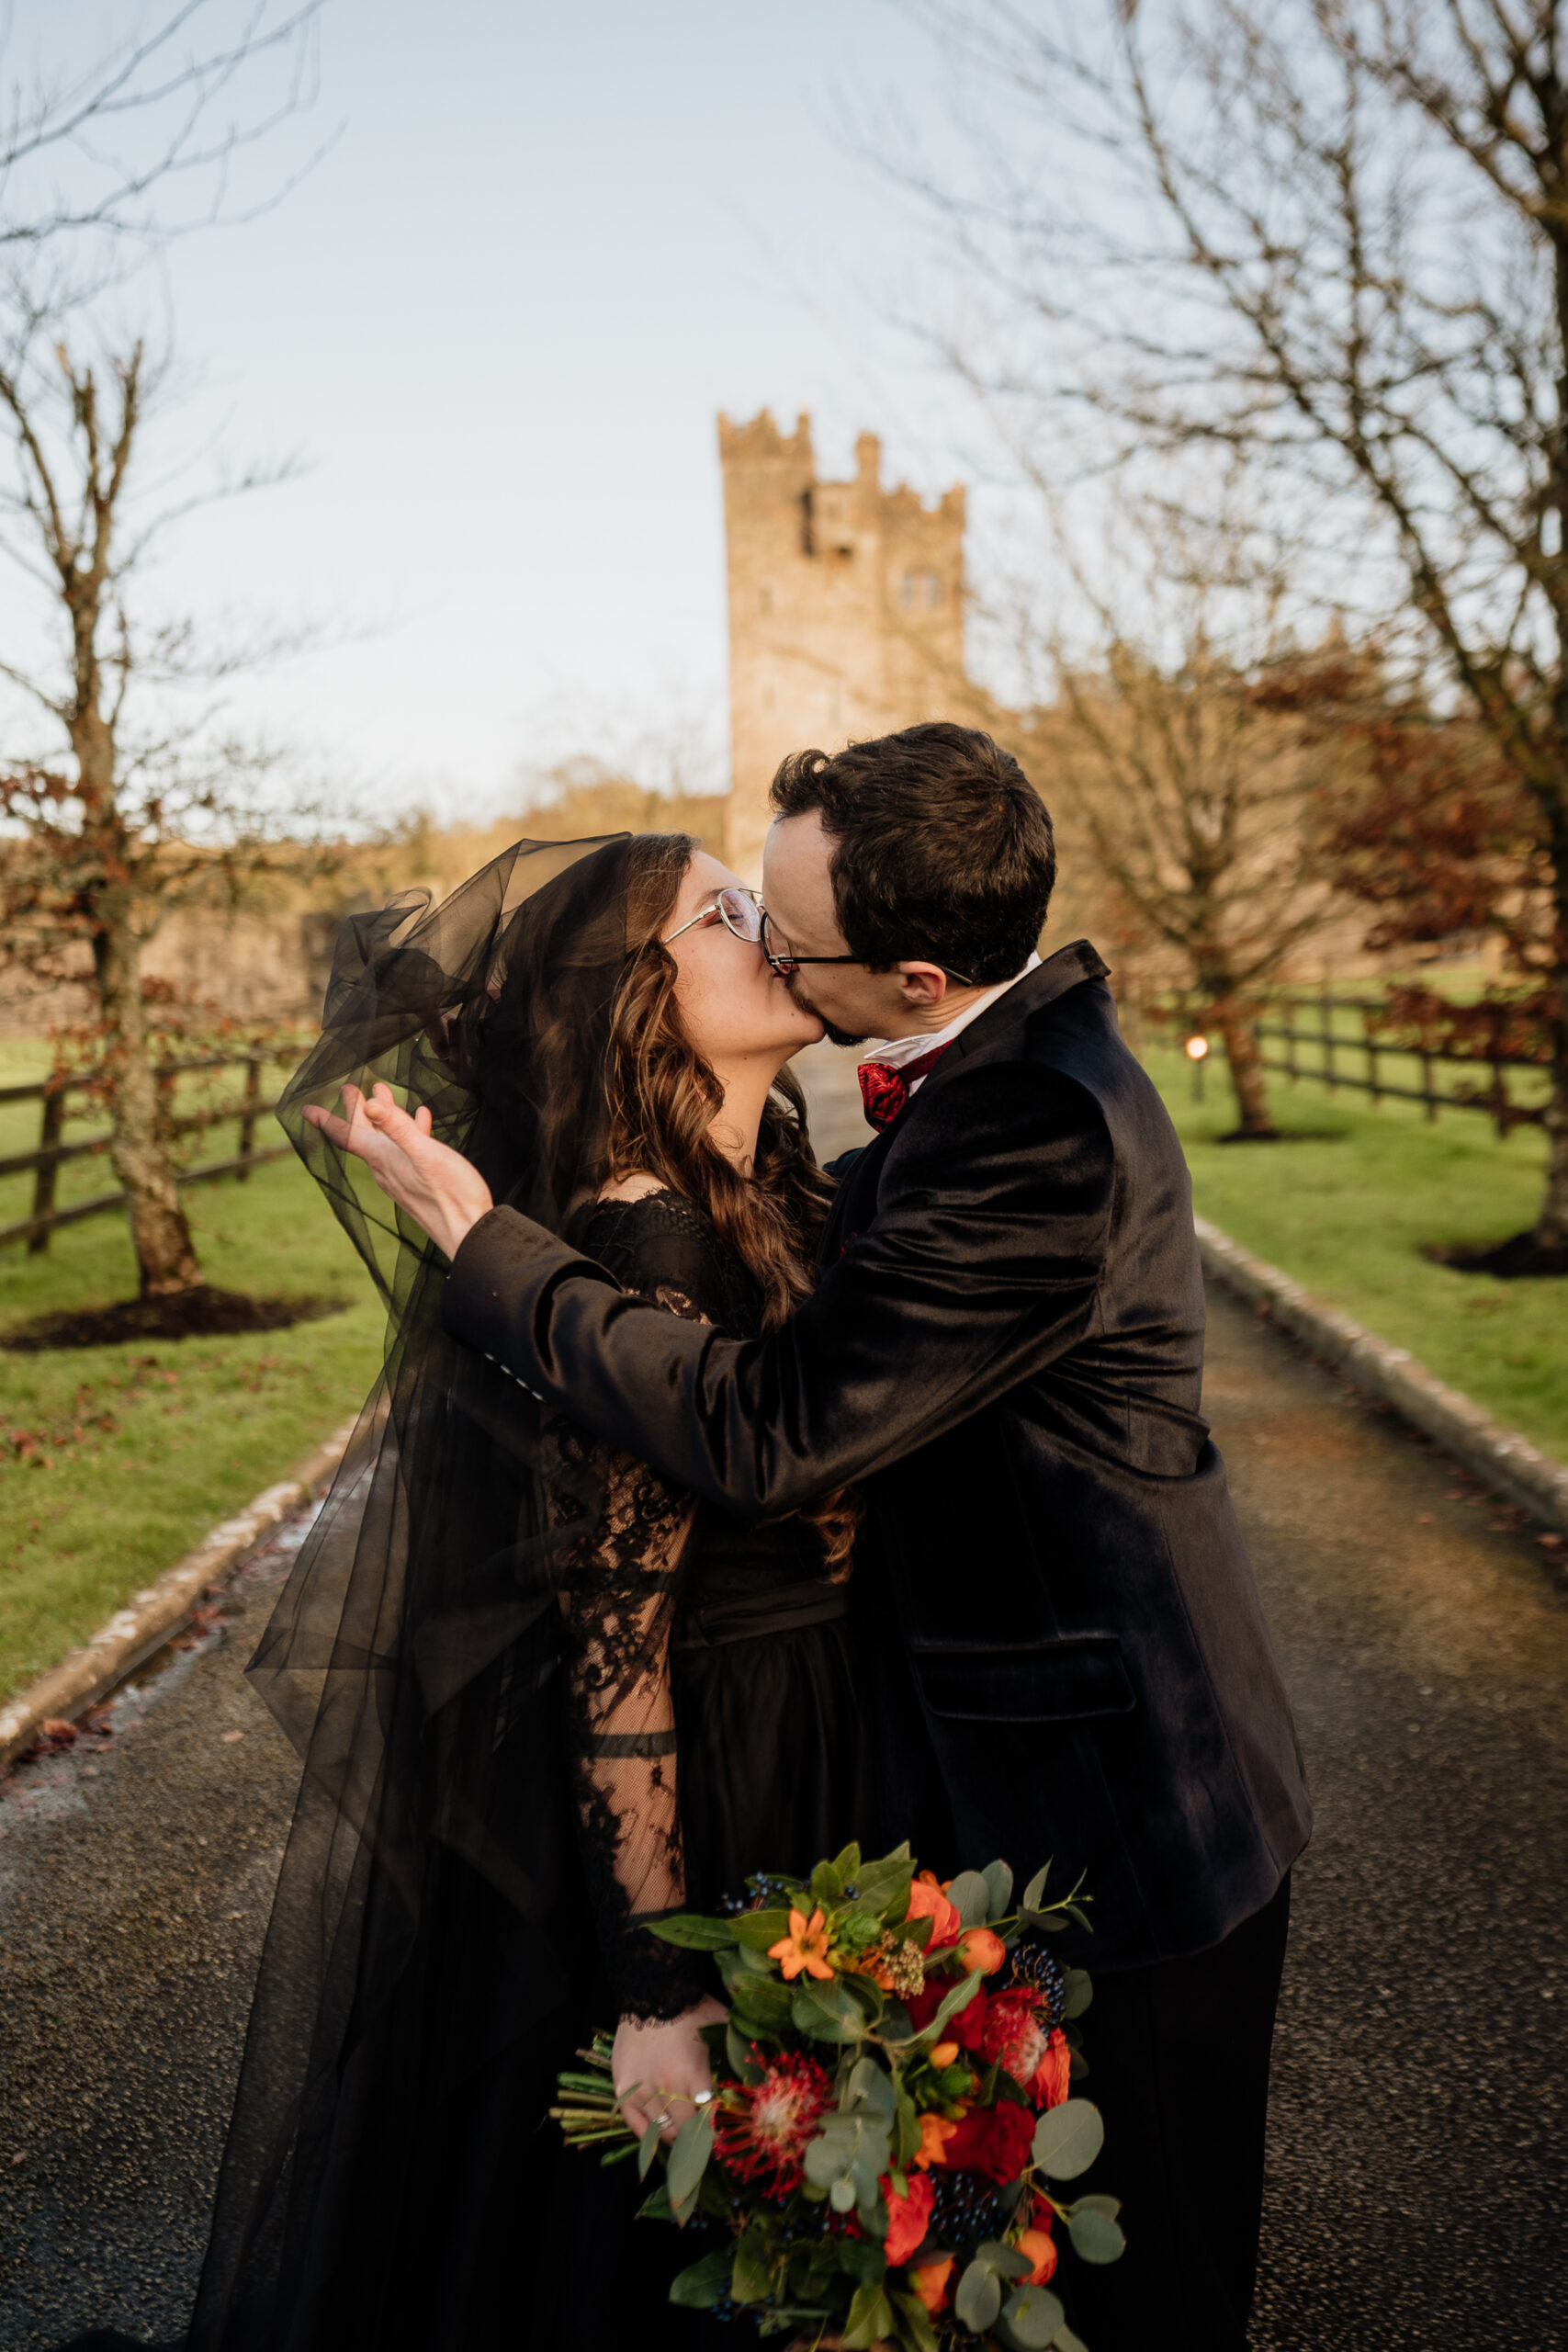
1417,2188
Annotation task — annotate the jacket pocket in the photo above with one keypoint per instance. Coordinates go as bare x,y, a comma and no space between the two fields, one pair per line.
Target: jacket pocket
1057,1681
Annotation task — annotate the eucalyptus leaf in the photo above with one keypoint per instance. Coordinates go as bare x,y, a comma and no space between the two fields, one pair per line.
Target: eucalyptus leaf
999,1888
689,2155
1031,2317
754,2278
870,2319
841,2196
962,1993
647,2148
1095,2202
762,2000
656,2205
1035,1893
870,2087
1065,2341
970,1897
978,2299
1096,2237
826,2012
705,2283
1067,2138
915,2327
1079,1993
868,1993
1006,2260
695,1933
1076,1912
758,1929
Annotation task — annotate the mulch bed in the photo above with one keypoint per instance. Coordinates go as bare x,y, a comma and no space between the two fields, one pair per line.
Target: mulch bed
1521,1254
203,1312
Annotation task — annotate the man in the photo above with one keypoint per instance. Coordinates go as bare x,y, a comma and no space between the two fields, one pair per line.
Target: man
1005,1352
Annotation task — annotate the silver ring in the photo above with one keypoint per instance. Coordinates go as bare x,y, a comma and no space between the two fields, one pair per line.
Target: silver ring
661,2121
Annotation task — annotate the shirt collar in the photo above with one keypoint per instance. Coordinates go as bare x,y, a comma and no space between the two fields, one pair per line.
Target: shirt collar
897,1051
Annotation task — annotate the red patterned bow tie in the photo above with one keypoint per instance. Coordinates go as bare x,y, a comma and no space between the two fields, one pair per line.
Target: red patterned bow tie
885,1091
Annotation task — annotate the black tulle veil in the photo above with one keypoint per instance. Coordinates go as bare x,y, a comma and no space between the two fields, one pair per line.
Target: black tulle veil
424,1954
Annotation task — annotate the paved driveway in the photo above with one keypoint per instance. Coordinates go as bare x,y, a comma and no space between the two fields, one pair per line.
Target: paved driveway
1417,2175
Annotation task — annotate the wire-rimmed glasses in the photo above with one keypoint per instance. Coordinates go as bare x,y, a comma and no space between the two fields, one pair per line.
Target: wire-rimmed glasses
741,912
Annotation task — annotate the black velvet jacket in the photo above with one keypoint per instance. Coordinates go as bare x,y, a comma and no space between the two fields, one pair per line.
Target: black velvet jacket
1065,1644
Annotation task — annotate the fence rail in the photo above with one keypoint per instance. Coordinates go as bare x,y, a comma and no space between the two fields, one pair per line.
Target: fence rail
53,1153
1493,1097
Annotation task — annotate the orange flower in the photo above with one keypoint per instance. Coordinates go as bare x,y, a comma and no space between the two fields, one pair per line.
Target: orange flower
927,1901
930,2282
1040,2247
982,1949
944,2054
935,2133
806,1946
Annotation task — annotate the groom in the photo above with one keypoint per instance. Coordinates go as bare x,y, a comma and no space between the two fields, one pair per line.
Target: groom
1004,1352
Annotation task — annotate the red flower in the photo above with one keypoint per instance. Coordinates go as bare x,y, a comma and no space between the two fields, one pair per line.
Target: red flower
1050,2085
1041,2248
993,2139
908,2215
777,2123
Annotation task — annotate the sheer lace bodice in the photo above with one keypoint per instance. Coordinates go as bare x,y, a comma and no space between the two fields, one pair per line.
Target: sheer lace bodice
655,1561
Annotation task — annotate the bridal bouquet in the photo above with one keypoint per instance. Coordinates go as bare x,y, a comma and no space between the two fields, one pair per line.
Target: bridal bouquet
891,2112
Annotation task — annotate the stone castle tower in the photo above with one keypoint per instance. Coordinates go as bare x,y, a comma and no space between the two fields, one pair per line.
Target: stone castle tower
846,609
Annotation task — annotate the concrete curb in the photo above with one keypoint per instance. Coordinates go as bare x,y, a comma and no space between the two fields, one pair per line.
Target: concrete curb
153,1615
1506,1460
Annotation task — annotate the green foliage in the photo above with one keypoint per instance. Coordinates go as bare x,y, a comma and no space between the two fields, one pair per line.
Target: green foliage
705,2283
114,1462
1347,1207
1067,2138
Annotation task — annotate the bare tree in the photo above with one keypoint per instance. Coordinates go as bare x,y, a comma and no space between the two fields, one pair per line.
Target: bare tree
143,139
1192,794
153,806
1332,235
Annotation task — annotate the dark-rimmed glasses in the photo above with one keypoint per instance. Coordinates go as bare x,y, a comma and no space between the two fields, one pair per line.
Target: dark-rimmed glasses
784,960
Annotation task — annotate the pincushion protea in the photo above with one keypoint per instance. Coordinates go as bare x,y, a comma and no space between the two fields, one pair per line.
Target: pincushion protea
767,2127
1017,2036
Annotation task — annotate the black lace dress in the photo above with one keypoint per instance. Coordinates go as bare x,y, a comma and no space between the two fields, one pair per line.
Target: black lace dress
713,1726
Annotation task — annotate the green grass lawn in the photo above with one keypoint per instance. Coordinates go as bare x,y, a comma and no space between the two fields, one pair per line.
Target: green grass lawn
1345,1205
116,1461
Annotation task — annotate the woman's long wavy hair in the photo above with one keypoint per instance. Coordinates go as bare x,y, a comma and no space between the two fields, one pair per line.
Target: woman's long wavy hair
664,1098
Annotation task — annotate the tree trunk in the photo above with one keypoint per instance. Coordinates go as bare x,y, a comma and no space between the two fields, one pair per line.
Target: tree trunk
1247,1071
165,1258
1551,1224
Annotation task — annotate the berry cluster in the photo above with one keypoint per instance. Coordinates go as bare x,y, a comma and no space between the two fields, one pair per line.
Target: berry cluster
1033,1968
967,2210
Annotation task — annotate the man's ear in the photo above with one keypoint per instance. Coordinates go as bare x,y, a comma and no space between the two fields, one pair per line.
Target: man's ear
922,986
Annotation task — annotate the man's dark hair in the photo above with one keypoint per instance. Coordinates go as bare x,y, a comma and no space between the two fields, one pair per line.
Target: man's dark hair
943,849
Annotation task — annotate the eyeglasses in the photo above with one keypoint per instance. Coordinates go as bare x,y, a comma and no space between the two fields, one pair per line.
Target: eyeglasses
784,960
741,912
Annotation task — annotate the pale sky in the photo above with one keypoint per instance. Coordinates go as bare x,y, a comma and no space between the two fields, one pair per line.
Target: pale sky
549,243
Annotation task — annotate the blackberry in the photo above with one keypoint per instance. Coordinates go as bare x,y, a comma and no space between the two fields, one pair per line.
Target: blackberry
1034,1968
967,2210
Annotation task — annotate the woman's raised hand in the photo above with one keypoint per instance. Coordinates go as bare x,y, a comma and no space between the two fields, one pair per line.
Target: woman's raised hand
441,1190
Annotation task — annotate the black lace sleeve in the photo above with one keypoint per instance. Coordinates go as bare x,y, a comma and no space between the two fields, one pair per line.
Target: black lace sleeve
623,1590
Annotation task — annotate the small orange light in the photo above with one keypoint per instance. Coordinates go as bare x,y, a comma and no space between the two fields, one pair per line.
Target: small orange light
1196,1048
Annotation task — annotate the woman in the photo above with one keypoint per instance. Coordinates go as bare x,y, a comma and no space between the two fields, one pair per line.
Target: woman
540,1697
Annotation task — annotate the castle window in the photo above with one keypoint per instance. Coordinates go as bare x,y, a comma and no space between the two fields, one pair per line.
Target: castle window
910,590
765,597
918,587
933,587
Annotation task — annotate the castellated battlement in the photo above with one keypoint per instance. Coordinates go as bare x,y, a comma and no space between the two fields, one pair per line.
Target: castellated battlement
846,608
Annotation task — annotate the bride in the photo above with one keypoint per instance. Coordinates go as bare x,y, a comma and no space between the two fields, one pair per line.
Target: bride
540,1696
